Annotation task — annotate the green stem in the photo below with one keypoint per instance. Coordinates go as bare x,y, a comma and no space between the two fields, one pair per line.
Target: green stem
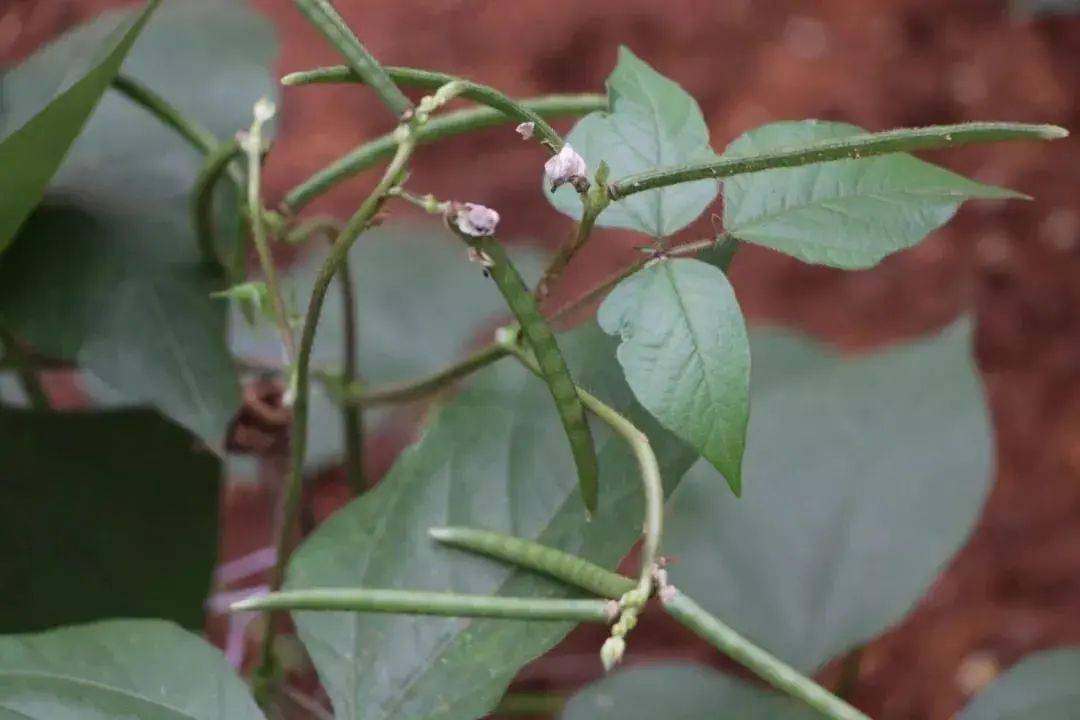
593,203
483,94
199,137
855,146
291,499
770,669
254,151
419,389
651,482
352,416
361,63
413,602
560,565
437,128
202,199
28,377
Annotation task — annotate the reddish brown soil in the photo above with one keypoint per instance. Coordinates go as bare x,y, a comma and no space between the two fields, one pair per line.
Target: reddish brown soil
1016,587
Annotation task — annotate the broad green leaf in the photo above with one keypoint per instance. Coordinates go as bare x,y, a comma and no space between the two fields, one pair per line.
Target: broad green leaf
848,213
495,457
108,273
103,514
1040,687
145,669
679,691
46,102
653,123
686,356
865,476
404,333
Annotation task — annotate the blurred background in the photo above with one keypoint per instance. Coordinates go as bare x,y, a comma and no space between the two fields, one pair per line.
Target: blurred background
1015,267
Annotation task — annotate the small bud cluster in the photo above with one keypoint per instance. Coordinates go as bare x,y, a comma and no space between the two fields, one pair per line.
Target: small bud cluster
566,167
474,220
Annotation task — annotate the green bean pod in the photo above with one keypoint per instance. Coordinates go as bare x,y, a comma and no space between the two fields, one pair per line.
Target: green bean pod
328,22
570,569
541,339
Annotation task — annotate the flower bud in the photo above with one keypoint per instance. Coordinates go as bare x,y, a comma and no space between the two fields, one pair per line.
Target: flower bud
565,167
264,110
525,130
475,220
611,653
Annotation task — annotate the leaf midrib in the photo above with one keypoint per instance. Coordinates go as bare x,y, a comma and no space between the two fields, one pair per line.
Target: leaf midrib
101,687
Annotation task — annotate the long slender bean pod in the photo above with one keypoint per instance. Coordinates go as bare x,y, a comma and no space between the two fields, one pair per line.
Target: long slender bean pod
436,128
483,94
767,667
412,602
560,565
854,146
553,370
199,137
365,67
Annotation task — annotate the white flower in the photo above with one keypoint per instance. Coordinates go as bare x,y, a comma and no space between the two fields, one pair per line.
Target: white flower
476,220
564,167
525,130
611,653
264,110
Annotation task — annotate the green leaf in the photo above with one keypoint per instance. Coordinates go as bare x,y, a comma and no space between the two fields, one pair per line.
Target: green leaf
680,691
48,99
403,334
108,273
146,669
847,213
1040,687
495,457
686,356
103,514
867,475
653,123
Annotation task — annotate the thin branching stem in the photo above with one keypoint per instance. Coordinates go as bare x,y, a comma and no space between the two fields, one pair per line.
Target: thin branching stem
199,137
218,161
253,148
351,415
427,79
767,667
416,602
301,373
854,146
437,128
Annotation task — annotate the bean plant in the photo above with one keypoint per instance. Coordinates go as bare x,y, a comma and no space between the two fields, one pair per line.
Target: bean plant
131,154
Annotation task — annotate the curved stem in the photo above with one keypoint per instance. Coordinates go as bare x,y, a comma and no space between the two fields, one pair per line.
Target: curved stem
651,483
199,137
593,203
254,150
202,198
27,375
437,128
483,94
770,669
550,561
414,602
855,146
361,63
419,389
291,500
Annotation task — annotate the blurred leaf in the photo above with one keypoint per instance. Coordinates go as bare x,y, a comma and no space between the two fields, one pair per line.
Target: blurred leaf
103,515
847,213
653,123
686,356
146,669
679,691
46,101
1040,687
495,457
108,273
419,301
865,477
